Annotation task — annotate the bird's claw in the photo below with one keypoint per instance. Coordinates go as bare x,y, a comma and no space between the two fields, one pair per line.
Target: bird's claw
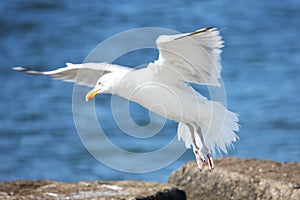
200,160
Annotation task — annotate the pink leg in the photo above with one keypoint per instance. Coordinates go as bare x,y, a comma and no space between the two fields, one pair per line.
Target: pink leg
198,154
208,156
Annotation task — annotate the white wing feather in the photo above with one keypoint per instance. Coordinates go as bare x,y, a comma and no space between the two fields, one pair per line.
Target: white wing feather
191,57
85,74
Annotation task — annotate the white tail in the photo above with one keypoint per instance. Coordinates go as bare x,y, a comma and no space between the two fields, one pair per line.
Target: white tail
218,128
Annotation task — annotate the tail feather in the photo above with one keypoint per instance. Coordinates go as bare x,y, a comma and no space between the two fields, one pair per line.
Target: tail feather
218,127
220,131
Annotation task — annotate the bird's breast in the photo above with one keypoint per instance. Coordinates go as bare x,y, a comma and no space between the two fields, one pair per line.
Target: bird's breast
166,100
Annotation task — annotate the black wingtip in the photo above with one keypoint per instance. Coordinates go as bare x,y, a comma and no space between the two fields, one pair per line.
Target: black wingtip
204,30
198,32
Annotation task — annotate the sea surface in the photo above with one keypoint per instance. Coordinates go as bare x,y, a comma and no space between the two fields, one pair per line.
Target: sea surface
38,137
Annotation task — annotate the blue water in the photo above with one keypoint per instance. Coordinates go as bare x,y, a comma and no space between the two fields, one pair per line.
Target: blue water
38,139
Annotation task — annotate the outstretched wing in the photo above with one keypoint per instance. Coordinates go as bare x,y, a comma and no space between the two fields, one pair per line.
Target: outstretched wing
85,74
191,57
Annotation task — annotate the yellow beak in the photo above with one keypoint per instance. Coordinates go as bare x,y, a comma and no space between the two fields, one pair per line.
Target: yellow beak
91,94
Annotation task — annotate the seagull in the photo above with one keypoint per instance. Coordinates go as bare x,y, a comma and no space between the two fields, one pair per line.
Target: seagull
164,87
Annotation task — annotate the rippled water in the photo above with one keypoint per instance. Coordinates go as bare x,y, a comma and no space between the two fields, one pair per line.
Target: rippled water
38,139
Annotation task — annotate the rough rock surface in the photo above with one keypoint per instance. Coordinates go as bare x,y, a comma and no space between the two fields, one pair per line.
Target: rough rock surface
235,178
89,190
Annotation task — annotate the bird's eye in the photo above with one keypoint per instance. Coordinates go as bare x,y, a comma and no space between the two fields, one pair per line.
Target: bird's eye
99,83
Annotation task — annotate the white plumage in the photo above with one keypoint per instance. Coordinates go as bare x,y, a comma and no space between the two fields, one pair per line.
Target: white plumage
163,88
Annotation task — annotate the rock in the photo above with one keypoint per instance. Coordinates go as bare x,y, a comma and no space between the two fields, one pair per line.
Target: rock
235,178
89,190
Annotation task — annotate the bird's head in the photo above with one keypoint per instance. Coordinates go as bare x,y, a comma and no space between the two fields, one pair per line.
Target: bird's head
104,85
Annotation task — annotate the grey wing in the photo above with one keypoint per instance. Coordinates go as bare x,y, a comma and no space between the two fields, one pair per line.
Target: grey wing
85,74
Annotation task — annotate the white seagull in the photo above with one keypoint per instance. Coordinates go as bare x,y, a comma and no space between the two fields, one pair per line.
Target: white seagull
163,87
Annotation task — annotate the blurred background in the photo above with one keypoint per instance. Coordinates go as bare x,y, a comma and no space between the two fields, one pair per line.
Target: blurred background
38,139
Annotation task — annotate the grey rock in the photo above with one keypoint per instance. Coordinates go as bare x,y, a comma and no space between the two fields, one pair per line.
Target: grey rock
103,190
235,178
